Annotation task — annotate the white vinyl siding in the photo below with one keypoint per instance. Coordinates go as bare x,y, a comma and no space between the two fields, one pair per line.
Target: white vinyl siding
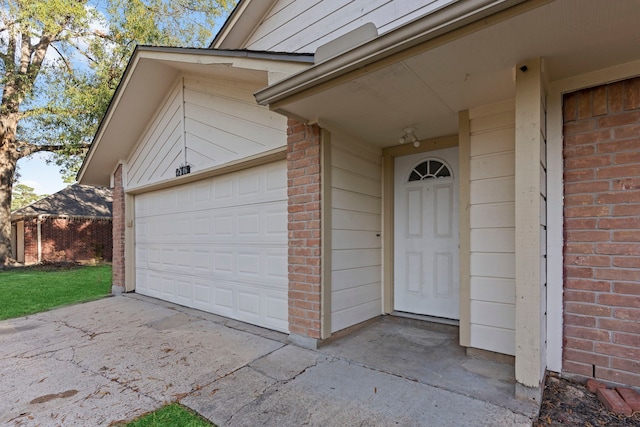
492,221
356,256
218,245
204,122
161,149
303,25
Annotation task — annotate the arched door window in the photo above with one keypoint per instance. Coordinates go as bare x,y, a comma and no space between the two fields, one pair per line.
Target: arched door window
429,169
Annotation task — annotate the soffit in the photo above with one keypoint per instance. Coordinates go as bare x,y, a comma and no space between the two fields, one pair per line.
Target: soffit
428,89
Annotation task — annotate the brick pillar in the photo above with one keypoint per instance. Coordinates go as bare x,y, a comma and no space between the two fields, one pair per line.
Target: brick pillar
303,181
602,233
118,279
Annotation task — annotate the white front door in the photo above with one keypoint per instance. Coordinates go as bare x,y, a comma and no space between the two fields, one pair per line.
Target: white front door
426,276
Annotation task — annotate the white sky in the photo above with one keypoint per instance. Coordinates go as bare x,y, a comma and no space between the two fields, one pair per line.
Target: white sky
45,179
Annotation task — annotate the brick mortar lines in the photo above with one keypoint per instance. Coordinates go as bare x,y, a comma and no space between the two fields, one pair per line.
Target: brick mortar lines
303,174
601,256
118,230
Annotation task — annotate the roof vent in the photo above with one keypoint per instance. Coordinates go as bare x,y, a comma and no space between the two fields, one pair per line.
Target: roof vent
347,41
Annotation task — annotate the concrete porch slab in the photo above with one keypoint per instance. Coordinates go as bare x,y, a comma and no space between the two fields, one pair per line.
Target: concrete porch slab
429,354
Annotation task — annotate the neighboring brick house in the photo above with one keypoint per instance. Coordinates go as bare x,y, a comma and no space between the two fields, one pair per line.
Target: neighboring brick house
74,224
602,232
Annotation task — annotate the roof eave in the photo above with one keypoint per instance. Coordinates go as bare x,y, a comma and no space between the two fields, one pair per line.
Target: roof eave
114,99
244,18
417,32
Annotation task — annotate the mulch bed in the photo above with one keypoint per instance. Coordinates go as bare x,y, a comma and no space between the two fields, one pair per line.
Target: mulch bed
569,403
45,266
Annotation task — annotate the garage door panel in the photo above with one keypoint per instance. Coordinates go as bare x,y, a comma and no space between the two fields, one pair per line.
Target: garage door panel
276,222
201,261
232,225
248,264
223,299
219,193
222,225
219,245
275,180
248,225
276,308
183,291
167,290
259,265
277,267
201,294
249,304
248,185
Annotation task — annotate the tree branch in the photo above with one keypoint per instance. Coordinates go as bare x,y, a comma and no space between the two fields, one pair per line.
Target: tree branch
11,53
26,149
25,53
67,64
39,52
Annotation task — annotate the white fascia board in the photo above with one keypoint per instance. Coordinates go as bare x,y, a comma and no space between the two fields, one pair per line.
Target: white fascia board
242,22
135,58
248,60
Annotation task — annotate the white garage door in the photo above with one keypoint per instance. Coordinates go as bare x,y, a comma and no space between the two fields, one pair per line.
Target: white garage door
218,245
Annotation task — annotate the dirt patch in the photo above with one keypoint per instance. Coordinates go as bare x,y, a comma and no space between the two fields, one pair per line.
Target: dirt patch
569,403
48,397
45,266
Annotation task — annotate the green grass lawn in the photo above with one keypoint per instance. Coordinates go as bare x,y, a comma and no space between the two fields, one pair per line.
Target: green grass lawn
170,415
31,290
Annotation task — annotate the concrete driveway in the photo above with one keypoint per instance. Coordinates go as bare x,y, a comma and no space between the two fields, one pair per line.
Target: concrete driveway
111,360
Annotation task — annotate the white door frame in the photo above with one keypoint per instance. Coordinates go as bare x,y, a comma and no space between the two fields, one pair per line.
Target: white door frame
425,242
389,155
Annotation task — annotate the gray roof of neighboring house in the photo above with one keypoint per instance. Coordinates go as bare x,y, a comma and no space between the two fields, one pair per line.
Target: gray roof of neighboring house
74,201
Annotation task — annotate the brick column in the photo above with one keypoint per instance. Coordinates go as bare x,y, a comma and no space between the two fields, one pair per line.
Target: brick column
303,182
602,233
118,279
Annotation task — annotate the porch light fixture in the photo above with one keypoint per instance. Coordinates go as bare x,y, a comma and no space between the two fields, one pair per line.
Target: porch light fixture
409,136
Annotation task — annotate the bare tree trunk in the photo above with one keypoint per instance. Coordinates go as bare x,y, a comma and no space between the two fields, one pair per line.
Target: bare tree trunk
8,161
22,62
9,156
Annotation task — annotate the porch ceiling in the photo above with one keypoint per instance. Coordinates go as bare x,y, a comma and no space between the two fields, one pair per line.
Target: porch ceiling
429,88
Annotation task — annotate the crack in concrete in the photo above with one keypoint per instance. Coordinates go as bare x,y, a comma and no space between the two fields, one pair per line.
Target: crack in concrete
99,373
266,392
87,332
247,365
313,365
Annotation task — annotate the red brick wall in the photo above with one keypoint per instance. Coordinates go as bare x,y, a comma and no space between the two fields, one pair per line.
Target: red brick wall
68,240
118,278
602,233
303,174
